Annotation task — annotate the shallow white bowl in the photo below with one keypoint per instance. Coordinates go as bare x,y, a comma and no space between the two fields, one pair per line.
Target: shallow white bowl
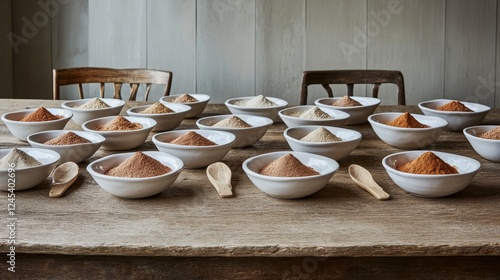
124,139
457,121
21,130
431,185
290,187
196,107
76,153
134,187
338,117
268,112
407,138
487,148
333,150
164,122
82,115
26,178
244,136
358,114
196,156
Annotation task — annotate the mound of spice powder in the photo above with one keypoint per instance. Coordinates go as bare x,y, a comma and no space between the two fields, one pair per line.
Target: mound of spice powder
69,138
406,120
287,166
428,163
346,101
313,113
120,123
232,122
192,138
321,134
94,103
19,158
40,115
454,106
157,108
258,101
184,98
139,166
493,134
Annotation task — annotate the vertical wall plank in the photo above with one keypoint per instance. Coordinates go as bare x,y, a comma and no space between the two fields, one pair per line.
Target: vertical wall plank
470,49
171,41
418,54
5,50
225,52
279,48
497,70
334,39
70,40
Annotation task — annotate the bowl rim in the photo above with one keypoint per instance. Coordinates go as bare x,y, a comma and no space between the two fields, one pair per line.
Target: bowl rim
186,147
66,115
332,162
396,128
344,115
184,109
268,121
359,136
133,119
423,106
203,98
389,168
357,98
61,132
25,149
468,134
65,104
229,103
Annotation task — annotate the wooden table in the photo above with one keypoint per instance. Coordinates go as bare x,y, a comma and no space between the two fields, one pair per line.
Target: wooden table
189,232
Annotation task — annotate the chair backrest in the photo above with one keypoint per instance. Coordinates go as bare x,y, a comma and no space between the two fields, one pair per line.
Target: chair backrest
351,77
134,77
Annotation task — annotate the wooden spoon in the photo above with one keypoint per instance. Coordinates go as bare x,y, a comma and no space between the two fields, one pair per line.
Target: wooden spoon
364,180
219,175
62,178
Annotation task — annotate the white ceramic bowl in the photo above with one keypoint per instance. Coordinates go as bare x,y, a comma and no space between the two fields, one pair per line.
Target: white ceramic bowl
26,178
244,136
333,150
76,153
82,115
123,139
134,187
290,187
457,121
196,107
268,112
196,156
164,122
21,130
338,118
487,148
358,114
432,185
407,138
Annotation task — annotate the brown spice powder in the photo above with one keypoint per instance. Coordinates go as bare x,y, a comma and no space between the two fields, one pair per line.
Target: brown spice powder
157,108
40,115
454,106
493,134
69,138
287,166
346,101
139,166
406,120
428,163
192,139
120,123
185,98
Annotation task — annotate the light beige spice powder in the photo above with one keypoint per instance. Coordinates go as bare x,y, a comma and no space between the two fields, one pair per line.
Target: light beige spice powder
232,122
321,134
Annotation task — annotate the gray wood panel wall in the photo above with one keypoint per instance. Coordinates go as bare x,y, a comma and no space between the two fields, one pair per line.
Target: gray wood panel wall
227,48
5,50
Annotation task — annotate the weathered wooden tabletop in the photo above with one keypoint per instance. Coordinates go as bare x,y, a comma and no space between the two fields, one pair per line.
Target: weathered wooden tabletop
189,219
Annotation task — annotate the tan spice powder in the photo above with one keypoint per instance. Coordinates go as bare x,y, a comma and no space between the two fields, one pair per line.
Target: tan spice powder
258,101
157,108
454,106
428,163
232,122
493,134
92,104
314,113
139,166
40,115
406,120
287,166
120,123
321,134
185,98
192,138
69,138
346,101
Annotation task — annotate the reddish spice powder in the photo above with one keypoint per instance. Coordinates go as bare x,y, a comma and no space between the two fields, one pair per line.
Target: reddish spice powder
69,138
493,134
346,101
40,115
192,139
139,166
428,163
287,166
119,123
406,120
454,106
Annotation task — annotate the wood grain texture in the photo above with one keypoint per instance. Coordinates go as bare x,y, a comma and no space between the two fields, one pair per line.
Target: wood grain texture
225,48
418,54
5,50
279,48
470,49
486,87
171,42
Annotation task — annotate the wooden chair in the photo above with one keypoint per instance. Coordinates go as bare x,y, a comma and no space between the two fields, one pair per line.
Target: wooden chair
351,77
134,77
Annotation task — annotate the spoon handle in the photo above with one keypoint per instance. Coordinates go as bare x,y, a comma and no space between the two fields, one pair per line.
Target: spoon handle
222,188
57,190
375,190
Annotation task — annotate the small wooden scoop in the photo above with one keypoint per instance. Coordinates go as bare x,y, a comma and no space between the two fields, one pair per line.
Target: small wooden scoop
219,175
364,180
62,178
